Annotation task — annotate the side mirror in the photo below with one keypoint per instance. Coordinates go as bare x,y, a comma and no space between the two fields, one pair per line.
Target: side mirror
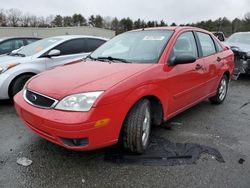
54,52
182,59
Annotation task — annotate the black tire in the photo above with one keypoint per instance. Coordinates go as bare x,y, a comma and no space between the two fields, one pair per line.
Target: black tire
218,98
134,130
18,84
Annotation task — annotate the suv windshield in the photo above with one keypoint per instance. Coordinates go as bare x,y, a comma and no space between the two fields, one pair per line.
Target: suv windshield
135,46
240,38
38,46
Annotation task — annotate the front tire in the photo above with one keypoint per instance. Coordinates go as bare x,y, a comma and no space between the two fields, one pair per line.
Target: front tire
18,84
136,128
221,91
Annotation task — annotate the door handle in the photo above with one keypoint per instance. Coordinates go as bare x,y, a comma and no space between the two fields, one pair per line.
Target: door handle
219,59
198,67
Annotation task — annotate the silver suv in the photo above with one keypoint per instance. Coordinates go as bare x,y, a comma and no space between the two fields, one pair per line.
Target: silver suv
20,65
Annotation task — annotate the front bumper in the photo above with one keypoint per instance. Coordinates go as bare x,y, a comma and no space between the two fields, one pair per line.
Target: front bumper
242,64
4,86
58,126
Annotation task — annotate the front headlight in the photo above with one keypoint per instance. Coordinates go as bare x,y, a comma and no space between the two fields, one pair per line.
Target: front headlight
7,67
78,102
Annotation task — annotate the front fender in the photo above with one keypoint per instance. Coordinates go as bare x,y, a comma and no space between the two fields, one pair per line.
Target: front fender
148,90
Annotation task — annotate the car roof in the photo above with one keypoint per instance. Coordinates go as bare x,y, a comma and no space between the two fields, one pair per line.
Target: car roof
6,38
68,37
246,32
173,28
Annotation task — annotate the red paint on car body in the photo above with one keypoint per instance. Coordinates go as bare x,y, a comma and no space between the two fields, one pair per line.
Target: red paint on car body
176,87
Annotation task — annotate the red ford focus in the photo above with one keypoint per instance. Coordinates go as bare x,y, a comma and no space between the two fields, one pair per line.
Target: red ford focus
135,80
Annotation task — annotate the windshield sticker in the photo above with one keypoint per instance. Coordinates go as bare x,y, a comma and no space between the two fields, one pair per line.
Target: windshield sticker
153,38
52,40
38,49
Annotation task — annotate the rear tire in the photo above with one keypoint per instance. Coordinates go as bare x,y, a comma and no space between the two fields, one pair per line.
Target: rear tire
136,128
18,84
221,91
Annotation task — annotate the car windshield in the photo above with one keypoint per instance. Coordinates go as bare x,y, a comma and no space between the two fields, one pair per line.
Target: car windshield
135,47
38,46
240,38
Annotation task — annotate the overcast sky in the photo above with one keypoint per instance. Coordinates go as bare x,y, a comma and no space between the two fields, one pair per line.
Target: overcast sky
179,11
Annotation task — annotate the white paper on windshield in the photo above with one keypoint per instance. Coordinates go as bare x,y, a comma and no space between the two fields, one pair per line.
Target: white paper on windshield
52,40
153,38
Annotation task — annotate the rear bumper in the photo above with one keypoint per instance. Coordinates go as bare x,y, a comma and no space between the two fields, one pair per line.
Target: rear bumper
58,126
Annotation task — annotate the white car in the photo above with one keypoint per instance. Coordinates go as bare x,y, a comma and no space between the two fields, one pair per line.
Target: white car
20,65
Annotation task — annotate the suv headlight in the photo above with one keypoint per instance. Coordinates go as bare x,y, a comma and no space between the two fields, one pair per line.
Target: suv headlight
7,67
78,102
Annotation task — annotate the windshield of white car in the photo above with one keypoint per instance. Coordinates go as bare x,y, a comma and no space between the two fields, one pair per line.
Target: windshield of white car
36,47
239,38
136,47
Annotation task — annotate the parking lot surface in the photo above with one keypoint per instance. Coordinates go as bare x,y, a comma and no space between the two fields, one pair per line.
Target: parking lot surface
225,128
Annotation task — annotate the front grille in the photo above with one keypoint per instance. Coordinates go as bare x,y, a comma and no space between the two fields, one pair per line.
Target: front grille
39,100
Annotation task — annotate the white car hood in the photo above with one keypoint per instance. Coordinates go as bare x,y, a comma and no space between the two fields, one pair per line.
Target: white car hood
7,59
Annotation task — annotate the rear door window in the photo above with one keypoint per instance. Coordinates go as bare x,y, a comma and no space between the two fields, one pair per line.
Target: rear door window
218,46
207,44
74,46
93,44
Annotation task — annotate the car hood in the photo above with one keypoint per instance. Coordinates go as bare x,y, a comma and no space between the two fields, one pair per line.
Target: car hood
83,77
7,59
239,47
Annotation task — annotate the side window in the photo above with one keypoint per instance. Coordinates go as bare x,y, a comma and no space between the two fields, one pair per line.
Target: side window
218,46
18,43
6,47
185,45
207,44
93,44
74,46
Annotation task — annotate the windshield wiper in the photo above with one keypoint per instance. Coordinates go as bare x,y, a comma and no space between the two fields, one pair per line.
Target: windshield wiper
17,54
113,59
91,58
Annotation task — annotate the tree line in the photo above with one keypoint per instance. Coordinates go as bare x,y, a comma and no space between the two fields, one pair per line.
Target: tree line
16,18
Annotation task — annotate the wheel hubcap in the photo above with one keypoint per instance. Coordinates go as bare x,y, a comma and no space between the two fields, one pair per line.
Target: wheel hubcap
222,89
146,127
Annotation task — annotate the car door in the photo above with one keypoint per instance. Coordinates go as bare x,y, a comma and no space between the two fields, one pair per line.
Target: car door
185,81
71,50
212,60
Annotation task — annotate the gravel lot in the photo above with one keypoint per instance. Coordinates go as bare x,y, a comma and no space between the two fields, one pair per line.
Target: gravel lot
225,128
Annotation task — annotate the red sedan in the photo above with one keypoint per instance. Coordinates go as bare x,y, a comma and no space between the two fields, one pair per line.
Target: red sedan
135,80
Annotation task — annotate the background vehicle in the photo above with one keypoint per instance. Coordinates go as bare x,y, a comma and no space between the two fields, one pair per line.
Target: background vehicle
240,44
137,79
16,68
7,45
220,35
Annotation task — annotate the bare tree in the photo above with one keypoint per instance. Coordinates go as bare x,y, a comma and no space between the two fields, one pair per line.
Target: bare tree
14,17
34,21
2,18
107,22
49,20
26,18
42,22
